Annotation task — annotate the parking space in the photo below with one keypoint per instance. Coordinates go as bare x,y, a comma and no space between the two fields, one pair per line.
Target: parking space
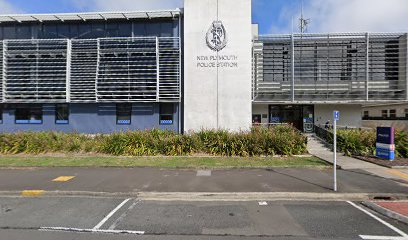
54,212
298,219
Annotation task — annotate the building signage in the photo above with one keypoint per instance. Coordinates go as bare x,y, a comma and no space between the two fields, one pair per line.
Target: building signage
217,36
216,39
385,145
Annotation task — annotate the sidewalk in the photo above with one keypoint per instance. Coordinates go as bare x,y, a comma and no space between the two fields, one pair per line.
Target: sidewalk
395,210
318,149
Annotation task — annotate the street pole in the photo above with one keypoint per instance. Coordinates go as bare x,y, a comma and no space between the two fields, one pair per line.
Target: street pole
335,151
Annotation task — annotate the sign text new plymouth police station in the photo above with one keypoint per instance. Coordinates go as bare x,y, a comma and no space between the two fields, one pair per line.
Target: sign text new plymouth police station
217,61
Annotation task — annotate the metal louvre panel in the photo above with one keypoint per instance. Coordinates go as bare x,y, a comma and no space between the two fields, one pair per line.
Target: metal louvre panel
90,70
84,56
169,69
1,71
127,70
35,70
384,67
331,68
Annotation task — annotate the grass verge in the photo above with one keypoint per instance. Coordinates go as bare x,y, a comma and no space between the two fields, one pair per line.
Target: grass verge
161,162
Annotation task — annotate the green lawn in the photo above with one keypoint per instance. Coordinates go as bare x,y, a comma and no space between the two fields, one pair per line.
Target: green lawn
165,162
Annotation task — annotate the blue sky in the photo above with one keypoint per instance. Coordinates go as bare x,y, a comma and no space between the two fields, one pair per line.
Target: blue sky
273,16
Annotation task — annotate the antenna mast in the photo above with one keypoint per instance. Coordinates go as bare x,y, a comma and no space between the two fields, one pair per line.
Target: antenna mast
303,23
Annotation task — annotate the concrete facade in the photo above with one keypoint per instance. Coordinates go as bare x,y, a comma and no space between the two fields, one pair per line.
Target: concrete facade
350,114
217,84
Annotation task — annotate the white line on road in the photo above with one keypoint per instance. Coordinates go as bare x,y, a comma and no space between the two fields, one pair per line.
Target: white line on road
120,219
382,238
111,214
404,235
62,229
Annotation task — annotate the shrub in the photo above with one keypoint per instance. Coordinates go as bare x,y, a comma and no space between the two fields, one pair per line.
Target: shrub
362,142
279,140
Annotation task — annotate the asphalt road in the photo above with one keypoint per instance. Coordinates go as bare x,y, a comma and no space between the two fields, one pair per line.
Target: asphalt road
77,218
125,180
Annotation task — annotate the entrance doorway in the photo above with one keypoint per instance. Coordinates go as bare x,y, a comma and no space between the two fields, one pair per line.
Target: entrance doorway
299,116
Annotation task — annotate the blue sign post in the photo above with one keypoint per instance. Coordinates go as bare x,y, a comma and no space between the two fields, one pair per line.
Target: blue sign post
385,145
336,117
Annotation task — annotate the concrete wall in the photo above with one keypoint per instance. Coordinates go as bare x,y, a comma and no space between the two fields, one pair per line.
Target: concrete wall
401,125
92,119
376,111
350,115
217,84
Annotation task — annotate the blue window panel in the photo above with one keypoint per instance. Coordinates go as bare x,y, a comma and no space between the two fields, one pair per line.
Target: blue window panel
166,122
29,121
1,121
123,122
62,122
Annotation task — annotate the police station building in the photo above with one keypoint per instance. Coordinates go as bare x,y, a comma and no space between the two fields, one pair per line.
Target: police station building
200,67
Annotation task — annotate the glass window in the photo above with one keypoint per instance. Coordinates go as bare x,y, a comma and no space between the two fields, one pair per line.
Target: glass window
9,32
29,115
123,114
166,30
393,113
366,114
1,115
125,29
62,114
406,113
24,32
63,31
50,31
166,114
153,30
384,113
139,29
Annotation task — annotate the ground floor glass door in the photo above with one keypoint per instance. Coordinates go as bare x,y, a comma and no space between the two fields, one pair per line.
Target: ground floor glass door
299,116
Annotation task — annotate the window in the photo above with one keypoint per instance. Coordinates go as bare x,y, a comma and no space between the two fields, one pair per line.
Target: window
123,114
366,114
62,114
29,115
393,113
166,114
406,113
1,115
384,113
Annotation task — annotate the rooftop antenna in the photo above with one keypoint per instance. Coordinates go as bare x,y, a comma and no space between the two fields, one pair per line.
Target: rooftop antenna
303,23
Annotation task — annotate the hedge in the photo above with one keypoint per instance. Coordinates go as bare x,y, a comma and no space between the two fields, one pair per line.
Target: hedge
279,140
362,142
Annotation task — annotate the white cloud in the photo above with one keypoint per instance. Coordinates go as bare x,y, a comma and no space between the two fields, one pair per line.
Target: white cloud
7,8
351,16
127,5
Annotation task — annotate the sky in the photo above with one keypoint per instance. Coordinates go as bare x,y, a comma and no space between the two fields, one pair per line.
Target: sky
273,16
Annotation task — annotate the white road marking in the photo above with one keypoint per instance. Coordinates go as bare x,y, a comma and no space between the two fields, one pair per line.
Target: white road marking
99,225
203,173
120,219
263,204
404,235
382,238
63,229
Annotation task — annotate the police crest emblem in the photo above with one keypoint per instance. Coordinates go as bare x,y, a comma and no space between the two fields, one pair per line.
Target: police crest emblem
216,36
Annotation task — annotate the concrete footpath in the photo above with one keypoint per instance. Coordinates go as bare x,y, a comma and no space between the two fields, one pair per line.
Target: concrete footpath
318,149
